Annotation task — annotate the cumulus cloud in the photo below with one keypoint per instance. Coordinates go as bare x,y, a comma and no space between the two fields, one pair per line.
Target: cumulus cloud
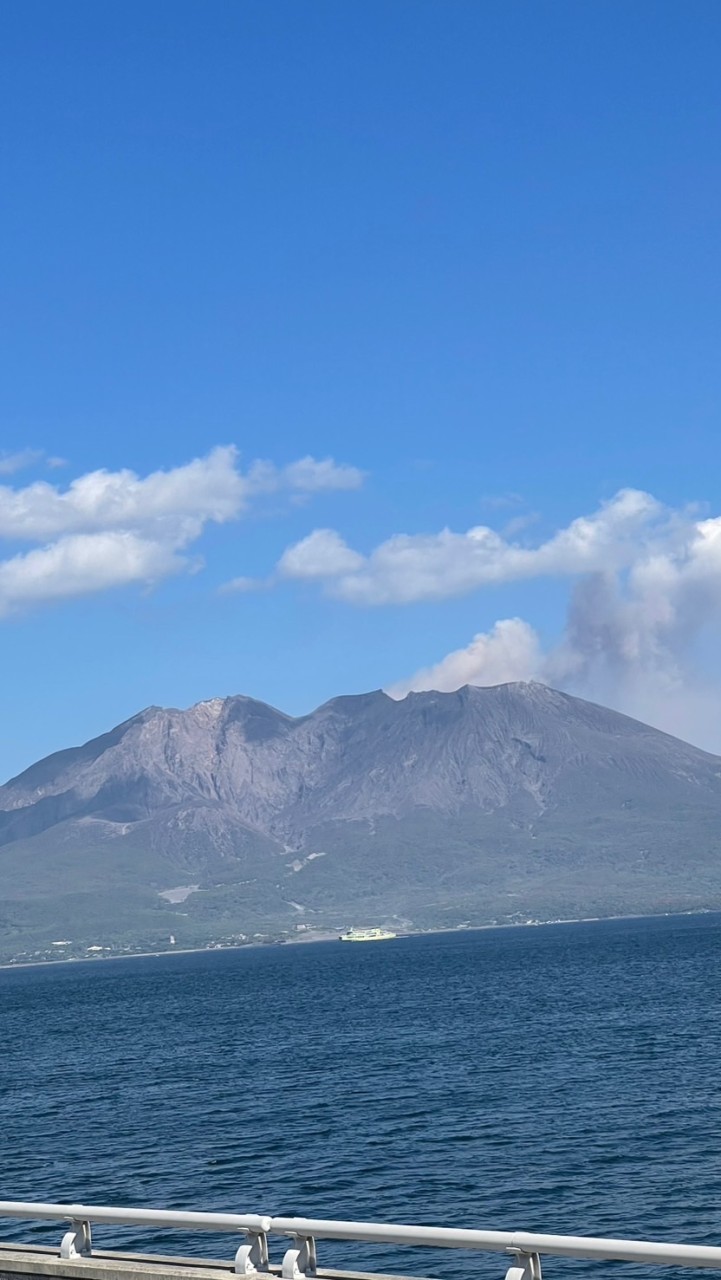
630,639
413,567
173,503
112,528
645,590
82,564
322,555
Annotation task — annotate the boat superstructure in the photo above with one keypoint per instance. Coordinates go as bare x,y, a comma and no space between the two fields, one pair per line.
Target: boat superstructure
367,935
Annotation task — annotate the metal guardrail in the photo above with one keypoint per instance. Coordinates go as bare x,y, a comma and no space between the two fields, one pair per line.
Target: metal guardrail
252,1258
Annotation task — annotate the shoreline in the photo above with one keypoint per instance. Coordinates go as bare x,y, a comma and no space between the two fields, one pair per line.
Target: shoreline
334,937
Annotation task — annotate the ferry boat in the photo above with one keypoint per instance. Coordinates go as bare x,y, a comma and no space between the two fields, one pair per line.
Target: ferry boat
366,935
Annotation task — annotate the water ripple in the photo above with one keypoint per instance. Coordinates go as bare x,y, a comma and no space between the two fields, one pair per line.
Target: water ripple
560,1079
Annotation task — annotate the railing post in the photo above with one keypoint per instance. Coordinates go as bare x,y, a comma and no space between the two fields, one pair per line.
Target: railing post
77,1242
300,1260
526,1266
252,1256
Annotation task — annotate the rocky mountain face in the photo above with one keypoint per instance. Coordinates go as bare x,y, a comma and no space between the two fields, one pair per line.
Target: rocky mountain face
232,818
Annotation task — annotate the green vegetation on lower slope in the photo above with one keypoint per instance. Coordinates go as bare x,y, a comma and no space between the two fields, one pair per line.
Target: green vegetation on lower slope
486,805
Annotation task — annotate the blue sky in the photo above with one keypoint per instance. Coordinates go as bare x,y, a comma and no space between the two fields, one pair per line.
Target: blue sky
468,251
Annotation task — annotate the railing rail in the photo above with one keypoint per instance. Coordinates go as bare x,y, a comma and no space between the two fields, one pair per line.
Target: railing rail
108,1215
525,1247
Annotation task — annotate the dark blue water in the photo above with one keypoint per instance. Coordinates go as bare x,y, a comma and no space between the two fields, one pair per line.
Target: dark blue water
559,1079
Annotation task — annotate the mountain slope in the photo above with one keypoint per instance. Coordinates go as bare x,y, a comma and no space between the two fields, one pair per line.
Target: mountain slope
478,805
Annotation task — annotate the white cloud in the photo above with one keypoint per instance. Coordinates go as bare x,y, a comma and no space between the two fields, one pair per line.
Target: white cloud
323,554
645,593
311,476
12,462
413,567
111,528
509,651
307,475
173,503
629,641
82,564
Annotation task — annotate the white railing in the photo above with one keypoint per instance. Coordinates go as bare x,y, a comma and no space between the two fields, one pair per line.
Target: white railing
525,1247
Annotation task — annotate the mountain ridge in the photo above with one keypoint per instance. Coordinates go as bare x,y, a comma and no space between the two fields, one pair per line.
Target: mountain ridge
486,804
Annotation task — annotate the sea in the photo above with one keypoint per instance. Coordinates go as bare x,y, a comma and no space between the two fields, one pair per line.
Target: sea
563,1078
